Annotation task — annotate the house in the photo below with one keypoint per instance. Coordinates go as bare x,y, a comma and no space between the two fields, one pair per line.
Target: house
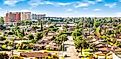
44,41
52,34
53,46
118,36
34,55
101,55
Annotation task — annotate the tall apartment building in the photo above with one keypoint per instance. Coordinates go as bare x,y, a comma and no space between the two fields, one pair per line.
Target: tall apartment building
12,17
25,15
37,16
17,16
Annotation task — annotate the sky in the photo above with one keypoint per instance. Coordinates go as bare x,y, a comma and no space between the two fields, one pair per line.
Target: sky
64,8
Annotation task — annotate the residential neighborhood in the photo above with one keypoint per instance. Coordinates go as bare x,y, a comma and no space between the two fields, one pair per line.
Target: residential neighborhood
60,29
61,38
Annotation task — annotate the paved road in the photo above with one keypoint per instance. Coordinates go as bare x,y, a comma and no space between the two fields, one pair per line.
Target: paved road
71,51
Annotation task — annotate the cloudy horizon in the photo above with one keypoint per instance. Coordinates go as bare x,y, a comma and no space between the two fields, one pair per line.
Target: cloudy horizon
64,8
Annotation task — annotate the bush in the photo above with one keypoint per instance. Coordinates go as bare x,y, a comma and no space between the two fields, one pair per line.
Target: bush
2,38
4,56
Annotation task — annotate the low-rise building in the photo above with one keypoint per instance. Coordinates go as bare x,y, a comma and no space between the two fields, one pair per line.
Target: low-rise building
34,55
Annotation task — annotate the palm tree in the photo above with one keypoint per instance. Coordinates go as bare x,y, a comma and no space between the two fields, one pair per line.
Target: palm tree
39,35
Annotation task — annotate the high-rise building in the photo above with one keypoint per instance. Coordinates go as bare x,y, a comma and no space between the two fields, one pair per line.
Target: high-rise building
13,17
7,17
10,17
25,15
17,16
37,16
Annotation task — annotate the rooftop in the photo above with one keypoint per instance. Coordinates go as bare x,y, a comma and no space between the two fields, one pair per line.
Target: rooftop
34,54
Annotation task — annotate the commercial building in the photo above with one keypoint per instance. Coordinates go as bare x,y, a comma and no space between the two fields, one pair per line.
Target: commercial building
25,15
38,16
14,17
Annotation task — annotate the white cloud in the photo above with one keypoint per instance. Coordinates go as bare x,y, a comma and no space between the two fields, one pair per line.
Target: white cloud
118,14
2,12
35,3
85,8
63,4
99,0
25,10
91,2
86,3
111,5
82,5
97,9
11,2
69,10
0,8
21,10
49,3
88,15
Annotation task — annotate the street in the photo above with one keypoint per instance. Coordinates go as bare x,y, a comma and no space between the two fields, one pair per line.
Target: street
71,51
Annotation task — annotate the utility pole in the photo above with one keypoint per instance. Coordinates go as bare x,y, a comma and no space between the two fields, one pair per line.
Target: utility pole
41,23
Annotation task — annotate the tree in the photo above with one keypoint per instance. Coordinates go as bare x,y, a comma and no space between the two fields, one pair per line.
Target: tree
76,33
45,32
77,42
2,38
23,32
35,27
39,35
18,32
97,31
1,20
4,56
53,28
63,37
41,23
31,37
80,43
16,57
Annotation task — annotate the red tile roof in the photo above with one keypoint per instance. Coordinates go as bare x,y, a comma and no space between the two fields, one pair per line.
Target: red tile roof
34,54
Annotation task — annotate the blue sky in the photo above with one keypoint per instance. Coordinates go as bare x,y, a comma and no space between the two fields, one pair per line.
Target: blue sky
64,8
